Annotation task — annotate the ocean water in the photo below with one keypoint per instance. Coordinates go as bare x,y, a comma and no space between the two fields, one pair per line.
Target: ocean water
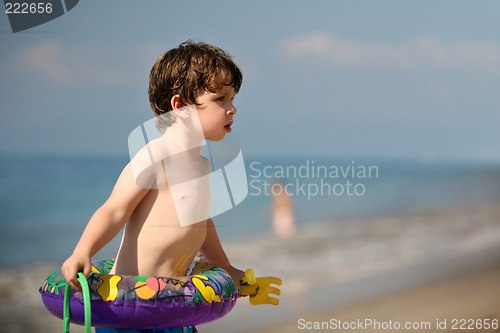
45,202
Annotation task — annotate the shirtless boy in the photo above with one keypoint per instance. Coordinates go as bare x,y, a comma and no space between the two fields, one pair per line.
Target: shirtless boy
155,242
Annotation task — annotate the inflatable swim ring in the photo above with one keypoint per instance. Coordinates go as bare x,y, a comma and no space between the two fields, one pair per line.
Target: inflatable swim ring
143,302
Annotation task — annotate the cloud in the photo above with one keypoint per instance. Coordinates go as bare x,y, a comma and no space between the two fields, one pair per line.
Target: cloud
106,65
427,53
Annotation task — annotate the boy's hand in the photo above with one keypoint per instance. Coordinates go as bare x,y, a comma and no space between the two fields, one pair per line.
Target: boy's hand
237,275
73,265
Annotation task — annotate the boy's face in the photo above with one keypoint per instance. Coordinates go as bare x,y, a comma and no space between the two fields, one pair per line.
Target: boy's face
216,112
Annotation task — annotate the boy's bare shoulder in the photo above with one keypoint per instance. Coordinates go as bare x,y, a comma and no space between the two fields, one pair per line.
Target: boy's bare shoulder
145,164
129,190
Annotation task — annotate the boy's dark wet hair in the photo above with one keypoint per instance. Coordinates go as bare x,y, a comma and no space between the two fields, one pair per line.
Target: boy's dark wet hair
184,70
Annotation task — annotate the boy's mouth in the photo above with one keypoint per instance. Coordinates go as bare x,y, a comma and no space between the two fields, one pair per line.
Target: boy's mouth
228,126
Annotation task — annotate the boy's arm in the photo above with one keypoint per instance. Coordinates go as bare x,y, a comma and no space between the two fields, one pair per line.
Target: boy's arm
214,254
104,225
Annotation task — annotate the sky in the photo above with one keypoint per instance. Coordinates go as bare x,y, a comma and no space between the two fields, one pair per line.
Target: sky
377,79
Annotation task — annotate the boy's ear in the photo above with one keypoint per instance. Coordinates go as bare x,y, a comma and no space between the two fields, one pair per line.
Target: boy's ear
178,107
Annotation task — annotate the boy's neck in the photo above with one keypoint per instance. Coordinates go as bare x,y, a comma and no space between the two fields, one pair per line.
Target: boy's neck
185,134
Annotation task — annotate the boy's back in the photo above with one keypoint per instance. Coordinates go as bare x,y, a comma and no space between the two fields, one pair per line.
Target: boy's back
154,242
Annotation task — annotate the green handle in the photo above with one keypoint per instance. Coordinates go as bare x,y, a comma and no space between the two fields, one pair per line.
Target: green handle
86,303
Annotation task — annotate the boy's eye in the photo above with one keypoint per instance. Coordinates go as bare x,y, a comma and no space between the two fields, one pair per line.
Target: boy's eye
222,98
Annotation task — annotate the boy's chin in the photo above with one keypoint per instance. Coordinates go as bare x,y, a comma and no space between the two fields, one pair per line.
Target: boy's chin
215,137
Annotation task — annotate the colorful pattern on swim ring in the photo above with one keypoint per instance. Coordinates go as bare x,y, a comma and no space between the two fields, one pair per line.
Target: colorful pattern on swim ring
146,302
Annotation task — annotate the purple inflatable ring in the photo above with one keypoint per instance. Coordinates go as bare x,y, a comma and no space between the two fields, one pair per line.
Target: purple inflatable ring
142,302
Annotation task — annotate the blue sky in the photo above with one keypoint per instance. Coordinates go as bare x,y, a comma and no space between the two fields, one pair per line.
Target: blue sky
321,78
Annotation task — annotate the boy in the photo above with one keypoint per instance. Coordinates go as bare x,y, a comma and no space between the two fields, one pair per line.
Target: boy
166,228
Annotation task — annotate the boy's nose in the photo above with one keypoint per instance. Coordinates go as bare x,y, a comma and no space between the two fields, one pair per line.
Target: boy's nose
232,110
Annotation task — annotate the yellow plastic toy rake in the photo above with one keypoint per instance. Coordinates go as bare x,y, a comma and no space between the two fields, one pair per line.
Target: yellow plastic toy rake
258,289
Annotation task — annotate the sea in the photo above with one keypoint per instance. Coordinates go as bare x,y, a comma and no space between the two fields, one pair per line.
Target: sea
46,201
